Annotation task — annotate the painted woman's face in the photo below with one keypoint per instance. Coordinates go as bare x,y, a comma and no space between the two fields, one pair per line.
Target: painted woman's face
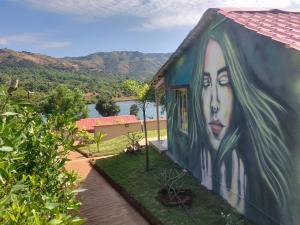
217,95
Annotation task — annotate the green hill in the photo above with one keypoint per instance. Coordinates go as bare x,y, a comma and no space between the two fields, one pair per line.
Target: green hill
136,64
96,73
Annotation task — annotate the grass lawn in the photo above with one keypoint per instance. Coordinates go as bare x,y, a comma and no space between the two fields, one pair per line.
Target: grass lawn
128,170
116,145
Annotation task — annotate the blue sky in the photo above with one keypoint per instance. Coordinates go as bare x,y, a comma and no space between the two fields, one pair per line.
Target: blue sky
79,27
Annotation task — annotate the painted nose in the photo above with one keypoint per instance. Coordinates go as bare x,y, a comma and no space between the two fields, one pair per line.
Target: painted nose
215,106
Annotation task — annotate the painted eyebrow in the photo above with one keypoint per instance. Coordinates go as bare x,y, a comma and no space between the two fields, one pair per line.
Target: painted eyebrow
222,70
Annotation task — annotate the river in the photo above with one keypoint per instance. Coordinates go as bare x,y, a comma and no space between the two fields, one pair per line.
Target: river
125,109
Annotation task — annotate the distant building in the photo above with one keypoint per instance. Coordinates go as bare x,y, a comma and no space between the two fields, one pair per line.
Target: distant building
114,126
90,123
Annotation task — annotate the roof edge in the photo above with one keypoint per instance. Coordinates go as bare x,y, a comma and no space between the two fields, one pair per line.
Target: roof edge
205,18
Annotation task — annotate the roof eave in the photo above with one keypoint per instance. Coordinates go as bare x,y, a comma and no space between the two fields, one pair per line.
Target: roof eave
204,20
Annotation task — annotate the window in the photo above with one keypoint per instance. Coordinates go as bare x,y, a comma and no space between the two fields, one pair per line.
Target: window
181,97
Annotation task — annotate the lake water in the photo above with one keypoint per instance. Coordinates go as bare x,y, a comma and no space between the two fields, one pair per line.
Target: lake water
125,109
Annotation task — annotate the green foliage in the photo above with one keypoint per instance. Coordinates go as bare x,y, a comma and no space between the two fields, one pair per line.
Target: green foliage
133,142
229,219
64,101
134,110
42,80
35,188
85,137
144,92
106,106
98,139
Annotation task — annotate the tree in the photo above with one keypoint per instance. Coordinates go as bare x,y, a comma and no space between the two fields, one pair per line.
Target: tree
134,109
67,102
106,106
144,93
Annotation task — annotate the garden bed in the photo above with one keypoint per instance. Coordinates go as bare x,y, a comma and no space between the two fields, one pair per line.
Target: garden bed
127,174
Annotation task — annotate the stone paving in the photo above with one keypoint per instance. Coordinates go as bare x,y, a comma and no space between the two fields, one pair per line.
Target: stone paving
101,204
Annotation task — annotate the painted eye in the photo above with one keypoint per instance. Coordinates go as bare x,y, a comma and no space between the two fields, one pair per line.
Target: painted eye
206,81
223,80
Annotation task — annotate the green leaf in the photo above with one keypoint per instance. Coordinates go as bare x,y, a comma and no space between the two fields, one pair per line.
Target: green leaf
18,187
79,190
51,205
77,220
4,200
6,149
9,114
3,175
55,222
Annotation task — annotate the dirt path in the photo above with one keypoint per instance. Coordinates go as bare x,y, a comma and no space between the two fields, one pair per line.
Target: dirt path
101,204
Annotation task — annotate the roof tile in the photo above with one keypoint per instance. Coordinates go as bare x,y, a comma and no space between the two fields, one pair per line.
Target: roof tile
282,26
89,123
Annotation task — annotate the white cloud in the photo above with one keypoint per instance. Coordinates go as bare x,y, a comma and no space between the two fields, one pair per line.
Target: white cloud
3,41
154,14
37,39
20,38
53,45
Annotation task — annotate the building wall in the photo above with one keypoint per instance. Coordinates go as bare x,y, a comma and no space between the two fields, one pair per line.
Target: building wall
116,130
242,140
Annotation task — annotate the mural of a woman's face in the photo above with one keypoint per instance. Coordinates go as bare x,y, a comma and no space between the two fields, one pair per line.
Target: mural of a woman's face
217,95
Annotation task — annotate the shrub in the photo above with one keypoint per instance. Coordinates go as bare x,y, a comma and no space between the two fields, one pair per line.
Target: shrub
133,139
34,186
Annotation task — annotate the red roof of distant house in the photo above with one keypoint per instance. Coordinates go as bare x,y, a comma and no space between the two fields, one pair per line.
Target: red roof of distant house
89,123
282,26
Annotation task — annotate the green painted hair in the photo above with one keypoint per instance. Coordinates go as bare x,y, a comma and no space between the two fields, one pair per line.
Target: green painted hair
254,117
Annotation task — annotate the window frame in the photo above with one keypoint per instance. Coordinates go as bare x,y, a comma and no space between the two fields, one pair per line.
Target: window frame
182,109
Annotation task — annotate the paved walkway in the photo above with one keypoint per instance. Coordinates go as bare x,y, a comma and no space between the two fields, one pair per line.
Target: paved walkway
101,204
143,141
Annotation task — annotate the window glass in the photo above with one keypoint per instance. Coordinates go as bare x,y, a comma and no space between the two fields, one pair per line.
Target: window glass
181,96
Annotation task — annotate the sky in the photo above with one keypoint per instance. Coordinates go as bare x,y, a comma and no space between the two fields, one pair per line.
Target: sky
63,28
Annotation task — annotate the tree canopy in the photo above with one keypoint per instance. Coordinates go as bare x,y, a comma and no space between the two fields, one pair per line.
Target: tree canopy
106,106
134,110
64,101
144,92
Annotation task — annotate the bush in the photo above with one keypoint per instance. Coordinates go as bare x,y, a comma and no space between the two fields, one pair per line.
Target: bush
34,186
134,110
106,106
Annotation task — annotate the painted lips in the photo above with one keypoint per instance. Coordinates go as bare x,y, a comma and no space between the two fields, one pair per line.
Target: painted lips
216,127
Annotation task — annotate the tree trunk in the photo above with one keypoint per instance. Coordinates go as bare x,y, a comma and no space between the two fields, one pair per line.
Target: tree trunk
98,146
146,138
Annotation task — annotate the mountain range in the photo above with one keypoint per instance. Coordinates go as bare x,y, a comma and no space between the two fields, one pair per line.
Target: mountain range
133,64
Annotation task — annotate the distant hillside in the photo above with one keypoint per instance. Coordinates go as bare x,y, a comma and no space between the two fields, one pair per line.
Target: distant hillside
124,63
137,64
13,58
97,73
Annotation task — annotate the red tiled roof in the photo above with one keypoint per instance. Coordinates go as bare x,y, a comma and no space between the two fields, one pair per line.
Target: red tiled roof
89,123
281,26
